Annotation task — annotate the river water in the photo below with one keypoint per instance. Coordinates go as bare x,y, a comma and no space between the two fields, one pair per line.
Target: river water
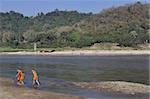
57,72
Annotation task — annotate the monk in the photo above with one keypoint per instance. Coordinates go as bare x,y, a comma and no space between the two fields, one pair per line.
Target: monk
35,78
20,77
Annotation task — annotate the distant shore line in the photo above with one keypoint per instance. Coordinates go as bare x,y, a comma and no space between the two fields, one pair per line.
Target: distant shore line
82,53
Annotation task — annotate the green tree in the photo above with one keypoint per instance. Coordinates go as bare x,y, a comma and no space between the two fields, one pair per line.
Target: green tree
30,35
7,37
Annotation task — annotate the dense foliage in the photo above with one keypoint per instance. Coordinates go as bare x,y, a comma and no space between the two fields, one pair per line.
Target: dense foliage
126,25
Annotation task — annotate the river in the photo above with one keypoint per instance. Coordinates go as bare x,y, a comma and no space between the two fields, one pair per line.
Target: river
57,72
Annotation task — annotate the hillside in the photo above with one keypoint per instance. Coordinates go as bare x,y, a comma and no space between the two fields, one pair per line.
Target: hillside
126,25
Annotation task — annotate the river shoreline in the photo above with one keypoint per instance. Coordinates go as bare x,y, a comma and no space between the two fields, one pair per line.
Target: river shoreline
82,53
116,86
9,90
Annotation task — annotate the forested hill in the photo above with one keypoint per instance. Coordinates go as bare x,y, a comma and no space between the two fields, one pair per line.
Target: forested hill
17,23
126,25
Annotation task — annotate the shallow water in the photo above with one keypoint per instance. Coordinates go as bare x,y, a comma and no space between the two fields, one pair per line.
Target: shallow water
57,72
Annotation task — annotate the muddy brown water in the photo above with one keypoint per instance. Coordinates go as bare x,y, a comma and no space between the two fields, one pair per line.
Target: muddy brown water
57,72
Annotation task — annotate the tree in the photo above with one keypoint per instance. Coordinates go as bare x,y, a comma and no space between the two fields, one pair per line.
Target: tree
30,35
7,37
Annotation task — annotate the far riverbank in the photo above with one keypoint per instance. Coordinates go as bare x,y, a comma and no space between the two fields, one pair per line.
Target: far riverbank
82,53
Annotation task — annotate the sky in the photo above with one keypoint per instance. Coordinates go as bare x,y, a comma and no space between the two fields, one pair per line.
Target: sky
32,7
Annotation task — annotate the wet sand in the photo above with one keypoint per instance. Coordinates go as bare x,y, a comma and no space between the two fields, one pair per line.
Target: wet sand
83,53
116,86
8,90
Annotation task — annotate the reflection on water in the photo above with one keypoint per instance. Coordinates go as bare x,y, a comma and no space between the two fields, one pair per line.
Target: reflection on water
63,70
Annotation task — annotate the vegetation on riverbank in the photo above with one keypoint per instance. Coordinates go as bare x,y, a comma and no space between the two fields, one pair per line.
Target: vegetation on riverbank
126,25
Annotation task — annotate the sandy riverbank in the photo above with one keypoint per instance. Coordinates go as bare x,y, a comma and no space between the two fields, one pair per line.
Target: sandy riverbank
10,91
116,86
83,53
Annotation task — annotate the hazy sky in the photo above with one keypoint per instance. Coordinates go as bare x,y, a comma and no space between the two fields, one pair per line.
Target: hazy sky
32,7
